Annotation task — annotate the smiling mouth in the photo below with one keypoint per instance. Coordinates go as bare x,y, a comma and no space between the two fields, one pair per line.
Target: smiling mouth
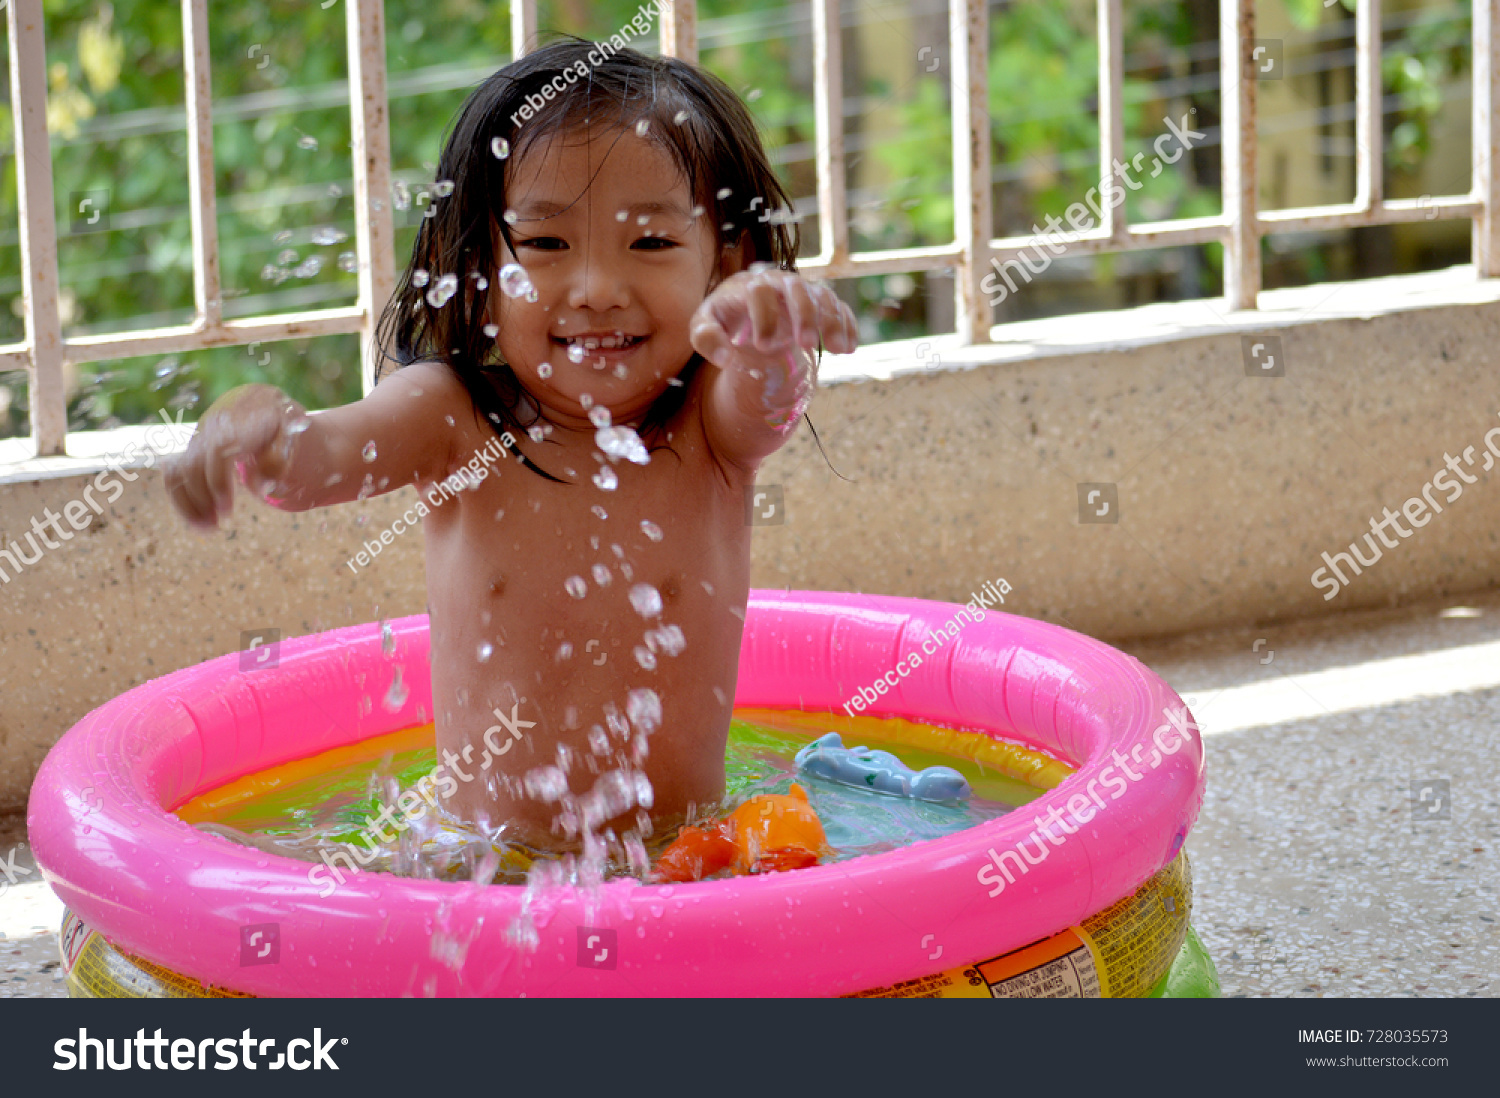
600,344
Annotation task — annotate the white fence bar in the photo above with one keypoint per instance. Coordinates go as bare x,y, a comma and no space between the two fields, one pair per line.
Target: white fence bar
828,106
1486,248
370,143
522,28
1237,114
679,29
1111,108
28,103
45,353
1369,133
973,219
202,206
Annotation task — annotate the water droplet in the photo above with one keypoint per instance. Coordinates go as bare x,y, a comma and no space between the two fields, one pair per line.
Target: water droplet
419,278
446,287
599,416
401,198
724,192
601,575
511,217
646,600
286,257
500,147
576,352
486,650
307,141
621,215
492,330
309,267
651,530
622,442
546,783
544,369
698,211
442,188
282,237
598,741
643,707
600,511
387,638
644,657
396,696
681,116
605,480
576,586
753,94
535,433
643,219
349,262
669,639
369,452
514,281
643,127
564,651
326,234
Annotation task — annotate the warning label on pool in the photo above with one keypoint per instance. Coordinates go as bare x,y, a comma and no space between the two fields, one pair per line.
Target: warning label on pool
1120,952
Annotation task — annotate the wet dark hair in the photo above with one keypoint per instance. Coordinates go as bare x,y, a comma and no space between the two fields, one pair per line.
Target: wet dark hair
690,113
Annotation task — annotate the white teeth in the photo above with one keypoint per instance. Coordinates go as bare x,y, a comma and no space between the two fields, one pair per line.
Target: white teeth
601,343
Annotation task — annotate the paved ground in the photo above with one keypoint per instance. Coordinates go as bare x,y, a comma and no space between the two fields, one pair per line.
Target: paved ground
1351,851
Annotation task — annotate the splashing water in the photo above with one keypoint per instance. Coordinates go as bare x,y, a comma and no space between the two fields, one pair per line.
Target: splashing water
576,586
680,117
349,262
387,638
646,600
445,288
396,696
307,141
515,282
668,639
442,188
326,234
419,278
544,369
622,442
643,707
643,127
576,352
599,511
499,147
644,657
605,480
599,416
369,453
492,330
486,650
723,193
601,574
651,530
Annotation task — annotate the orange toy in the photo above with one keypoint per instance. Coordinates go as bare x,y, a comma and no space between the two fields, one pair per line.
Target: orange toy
769,833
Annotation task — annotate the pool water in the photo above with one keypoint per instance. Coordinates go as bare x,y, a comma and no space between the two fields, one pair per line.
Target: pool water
302,809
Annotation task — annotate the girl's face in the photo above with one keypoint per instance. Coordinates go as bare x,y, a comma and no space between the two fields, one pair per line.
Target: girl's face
607,230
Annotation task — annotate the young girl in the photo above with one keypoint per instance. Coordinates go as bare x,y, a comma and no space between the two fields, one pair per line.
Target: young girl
652,347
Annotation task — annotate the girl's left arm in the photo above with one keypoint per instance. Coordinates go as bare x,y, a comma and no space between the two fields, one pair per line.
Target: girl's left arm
757,331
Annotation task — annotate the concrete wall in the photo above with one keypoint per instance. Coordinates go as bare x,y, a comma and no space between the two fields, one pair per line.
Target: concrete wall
961,469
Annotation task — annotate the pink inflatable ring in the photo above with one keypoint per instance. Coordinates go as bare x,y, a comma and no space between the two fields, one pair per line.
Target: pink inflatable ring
104,836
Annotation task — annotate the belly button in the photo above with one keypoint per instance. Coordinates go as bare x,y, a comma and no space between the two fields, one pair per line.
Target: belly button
669,589
497,585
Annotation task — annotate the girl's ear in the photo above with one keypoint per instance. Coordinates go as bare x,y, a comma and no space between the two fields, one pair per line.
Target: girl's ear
734,258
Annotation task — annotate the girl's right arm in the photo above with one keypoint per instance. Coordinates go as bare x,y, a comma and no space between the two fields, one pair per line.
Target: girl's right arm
402,433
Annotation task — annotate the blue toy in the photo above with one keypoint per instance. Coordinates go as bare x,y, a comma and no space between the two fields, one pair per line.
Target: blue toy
881,771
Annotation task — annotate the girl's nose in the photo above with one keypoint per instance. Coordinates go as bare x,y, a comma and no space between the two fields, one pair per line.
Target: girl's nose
597,285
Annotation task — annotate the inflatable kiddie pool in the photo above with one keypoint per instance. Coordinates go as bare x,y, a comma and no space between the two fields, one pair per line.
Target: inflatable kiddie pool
1082,891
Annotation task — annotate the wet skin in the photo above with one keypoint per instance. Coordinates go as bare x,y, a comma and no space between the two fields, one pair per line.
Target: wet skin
498,557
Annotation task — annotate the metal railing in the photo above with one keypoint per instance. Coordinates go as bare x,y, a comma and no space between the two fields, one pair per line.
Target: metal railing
970,254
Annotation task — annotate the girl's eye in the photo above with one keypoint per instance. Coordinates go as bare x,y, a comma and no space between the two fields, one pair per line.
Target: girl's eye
654,243
545,243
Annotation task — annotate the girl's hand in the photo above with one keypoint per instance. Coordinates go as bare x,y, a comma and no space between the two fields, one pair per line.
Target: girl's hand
760,315
247,428
757,331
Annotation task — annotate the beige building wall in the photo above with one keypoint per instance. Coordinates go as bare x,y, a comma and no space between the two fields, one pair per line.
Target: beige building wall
1227,488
